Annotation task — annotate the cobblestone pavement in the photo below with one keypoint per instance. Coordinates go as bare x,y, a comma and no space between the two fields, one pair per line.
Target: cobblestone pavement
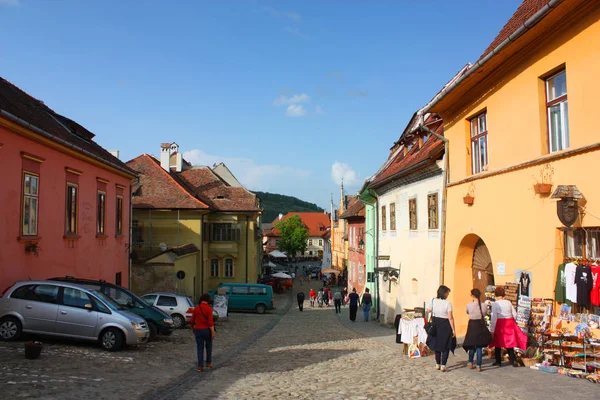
317,354
70,370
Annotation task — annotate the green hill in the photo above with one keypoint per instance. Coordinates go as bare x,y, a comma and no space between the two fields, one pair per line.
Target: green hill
274,204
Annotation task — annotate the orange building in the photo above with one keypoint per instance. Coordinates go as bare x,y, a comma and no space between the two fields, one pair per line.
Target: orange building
523,131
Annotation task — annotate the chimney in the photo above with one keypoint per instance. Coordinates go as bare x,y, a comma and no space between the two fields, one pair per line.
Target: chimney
115,153
280,216
165,155
179,162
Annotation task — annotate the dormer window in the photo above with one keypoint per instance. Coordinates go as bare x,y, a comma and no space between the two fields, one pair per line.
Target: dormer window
219,197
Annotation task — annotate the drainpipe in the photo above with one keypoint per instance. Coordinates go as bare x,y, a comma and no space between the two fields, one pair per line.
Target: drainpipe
247,223
130,234
201,255
444,193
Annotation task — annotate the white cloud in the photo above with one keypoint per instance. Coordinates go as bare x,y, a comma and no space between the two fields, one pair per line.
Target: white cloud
264,177
9,2
295,99
295,31
295,110
358,93
343,171
319,110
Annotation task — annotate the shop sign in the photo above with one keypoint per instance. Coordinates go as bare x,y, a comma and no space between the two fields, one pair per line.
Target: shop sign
567,210
380,258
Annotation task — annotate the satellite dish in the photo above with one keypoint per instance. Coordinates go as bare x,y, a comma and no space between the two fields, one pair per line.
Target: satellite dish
163,246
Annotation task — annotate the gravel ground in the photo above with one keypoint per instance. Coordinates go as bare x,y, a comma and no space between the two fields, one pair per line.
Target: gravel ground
70,370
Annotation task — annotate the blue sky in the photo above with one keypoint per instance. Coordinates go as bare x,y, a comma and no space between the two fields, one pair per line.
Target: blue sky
291,95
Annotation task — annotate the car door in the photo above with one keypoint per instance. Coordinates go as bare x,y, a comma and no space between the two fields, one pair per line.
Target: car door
167,303
40,307
238,299
76,315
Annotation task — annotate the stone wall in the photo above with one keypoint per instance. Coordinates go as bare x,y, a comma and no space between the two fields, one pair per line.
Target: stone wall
153,278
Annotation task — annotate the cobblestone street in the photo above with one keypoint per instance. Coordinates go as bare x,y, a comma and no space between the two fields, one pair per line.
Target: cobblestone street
282,355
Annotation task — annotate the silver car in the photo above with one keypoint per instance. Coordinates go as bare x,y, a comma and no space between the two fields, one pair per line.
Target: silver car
178,306
68,310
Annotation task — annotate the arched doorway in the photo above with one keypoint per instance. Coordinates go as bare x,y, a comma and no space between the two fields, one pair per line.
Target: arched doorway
482,267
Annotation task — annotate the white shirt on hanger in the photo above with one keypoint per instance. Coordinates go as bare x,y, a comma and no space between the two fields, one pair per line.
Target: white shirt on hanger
571,285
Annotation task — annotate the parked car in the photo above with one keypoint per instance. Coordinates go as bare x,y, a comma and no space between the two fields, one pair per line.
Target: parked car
247,296
158,321
178,306
68,310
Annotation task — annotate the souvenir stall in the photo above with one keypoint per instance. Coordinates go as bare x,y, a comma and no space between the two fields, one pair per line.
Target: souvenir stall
410,332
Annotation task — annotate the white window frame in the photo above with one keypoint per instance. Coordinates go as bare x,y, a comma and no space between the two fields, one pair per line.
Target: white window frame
563,104
32,212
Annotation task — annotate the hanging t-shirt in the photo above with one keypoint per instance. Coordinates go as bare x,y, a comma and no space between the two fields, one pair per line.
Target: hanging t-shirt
571,286
524,282
595,293
585,283
560,290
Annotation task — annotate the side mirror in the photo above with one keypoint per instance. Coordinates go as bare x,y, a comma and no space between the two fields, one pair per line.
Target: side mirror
88,307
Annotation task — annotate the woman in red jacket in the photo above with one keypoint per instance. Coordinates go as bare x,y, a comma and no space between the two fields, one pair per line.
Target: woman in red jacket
204,330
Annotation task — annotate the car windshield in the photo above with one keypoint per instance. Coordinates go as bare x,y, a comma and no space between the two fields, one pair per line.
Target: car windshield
110,303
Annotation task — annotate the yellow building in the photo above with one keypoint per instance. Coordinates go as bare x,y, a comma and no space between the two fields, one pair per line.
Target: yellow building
339,242
522,128
194,220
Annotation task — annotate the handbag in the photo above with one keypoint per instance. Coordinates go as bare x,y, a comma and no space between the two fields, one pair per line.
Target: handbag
430,327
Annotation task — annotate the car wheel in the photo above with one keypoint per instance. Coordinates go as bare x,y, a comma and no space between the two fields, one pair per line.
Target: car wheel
10,328
178,321
153,331
111,339
261,308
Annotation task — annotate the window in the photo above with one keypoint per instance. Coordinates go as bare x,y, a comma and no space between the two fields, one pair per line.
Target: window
479,156
383,219
582,243
30,204
393,216
214,267
119,215
101,213
71,209
255,290
432,209
321,242
239,290
118,277
150,298
43,293
75,298
225,233
21,293
167,301
310,242
557,109
229,268
412,214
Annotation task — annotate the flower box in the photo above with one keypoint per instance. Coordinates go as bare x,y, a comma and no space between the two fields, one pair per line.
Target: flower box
542,188
468,200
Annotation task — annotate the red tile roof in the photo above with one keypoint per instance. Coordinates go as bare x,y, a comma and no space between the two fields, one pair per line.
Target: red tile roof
217,193
156,187
317,223
356,208
430,150
526,10
64,130
197,187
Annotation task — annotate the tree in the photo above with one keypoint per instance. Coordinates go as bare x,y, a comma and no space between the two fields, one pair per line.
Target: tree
294,235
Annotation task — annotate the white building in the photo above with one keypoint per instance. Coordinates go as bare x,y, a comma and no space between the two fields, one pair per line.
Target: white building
409,191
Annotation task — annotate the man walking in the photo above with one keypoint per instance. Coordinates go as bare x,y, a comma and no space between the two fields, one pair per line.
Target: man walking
353,301
366,304
300,297
337,301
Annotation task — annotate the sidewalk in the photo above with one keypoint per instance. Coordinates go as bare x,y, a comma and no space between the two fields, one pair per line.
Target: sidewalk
524,382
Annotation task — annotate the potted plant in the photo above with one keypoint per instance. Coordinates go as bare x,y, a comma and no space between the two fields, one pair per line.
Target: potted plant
545,186
470,196
33,350
32,247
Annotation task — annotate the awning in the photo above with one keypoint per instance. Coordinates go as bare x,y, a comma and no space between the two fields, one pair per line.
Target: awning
277,254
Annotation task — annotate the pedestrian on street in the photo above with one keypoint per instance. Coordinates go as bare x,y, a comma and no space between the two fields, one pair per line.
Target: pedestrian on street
337,301
300,297
204,331
366,302
478,336
320,300
313,296
353,301
344,296
506,333
326,296
443,320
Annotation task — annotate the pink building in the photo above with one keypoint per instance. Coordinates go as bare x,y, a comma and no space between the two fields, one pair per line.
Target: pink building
357,269
64,203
